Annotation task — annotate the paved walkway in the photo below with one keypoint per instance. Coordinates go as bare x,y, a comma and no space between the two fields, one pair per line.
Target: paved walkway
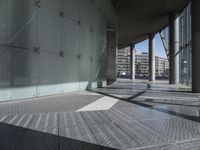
127,115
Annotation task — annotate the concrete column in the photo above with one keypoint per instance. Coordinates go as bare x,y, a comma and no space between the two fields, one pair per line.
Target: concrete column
132,61
195,8
151,57
111,57
173,48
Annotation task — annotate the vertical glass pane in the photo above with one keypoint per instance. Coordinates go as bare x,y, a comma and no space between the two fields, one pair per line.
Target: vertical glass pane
16,75
185,46
70,73
49,70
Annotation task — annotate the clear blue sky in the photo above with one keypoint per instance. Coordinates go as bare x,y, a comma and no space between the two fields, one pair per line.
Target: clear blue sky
160,51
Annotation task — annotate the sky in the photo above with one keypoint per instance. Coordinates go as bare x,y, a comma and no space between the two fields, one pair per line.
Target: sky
160,51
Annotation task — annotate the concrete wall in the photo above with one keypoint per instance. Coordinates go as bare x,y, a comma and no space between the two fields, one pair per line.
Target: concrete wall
52,46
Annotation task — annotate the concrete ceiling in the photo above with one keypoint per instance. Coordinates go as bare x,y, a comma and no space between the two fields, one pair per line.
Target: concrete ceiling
138,18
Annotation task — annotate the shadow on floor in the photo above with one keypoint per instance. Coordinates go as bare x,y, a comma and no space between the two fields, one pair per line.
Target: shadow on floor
143,104
148,101
18,138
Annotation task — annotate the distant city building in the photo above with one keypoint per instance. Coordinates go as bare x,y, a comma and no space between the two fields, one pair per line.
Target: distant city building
162,67
141,64
123,63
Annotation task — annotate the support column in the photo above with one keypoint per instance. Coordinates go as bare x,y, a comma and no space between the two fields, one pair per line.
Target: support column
174,48
111,57
151,57
132,61
195,45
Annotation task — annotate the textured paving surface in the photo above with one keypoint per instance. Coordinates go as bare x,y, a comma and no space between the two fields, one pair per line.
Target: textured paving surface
147,116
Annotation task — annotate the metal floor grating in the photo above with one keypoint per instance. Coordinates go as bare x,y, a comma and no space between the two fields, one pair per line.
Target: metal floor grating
53,124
